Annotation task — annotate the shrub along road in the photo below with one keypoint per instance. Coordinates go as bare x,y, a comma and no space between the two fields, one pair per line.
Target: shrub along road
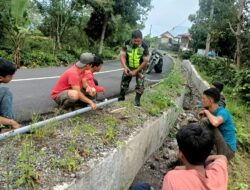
31,87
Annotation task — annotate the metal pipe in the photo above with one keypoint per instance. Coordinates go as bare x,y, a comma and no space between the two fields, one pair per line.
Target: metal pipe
57,118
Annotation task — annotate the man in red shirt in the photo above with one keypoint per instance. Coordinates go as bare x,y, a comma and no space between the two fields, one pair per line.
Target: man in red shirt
68,89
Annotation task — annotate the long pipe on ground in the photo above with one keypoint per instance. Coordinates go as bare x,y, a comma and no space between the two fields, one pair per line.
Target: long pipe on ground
57,118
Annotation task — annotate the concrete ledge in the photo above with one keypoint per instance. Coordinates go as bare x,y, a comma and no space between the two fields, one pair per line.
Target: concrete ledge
192,75
118,168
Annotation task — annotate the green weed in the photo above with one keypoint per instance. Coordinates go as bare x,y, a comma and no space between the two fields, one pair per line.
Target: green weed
110,134
70,161
46,132
26,166
110,121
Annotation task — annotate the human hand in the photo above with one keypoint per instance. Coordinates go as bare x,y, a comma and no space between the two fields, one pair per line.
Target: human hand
126,70
100,89
92,105
202,114
134,73
91,91
15,125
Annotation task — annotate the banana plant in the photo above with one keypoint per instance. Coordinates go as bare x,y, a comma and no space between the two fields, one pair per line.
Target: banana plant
18,27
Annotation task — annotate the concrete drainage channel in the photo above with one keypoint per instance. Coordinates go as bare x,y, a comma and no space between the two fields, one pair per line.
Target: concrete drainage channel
117,170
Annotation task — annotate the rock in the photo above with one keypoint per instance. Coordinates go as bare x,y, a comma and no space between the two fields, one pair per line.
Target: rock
165,156
163,171
178,126
73,175
79,175
152,166
191,118
183,115
157,158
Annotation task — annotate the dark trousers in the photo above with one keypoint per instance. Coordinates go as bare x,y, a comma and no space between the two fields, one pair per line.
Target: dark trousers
126,79
221,146
6,103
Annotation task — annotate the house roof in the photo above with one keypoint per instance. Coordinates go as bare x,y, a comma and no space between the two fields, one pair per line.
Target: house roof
185,35
178,30
167,35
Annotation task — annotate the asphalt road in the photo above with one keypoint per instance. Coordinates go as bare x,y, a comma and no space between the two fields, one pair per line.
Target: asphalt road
31,87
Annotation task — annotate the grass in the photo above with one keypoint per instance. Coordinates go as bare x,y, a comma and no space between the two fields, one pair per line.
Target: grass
161,96
239,168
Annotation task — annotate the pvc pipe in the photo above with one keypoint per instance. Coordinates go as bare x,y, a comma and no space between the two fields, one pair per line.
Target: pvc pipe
57,118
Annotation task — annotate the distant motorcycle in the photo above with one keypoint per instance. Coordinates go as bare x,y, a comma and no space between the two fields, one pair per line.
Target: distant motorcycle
155,62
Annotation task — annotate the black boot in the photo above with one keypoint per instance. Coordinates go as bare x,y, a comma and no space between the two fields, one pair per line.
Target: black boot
137,99
121,97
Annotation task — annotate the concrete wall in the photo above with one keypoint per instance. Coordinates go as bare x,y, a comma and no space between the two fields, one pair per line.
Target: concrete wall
118,168
192,75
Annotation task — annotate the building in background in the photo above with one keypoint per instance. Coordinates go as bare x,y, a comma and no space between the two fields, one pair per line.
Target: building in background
179,37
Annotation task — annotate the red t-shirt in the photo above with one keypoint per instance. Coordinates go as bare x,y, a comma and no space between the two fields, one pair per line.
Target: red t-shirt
216,178
90,80
71,77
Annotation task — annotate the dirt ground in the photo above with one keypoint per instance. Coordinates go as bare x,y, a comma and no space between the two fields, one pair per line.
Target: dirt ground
166,158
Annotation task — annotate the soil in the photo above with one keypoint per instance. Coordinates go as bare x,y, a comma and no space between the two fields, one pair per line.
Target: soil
166,157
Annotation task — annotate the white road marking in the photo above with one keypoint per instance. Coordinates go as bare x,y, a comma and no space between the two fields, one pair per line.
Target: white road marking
53,77
152,80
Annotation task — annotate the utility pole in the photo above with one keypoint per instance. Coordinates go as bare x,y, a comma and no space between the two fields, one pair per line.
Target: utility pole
209,28
150,30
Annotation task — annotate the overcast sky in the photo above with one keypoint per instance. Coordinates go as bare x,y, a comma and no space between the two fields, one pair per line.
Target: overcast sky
167,14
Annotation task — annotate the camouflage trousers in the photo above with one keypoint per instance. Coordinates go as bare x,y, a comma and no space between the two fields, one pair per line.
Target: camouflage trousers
126,79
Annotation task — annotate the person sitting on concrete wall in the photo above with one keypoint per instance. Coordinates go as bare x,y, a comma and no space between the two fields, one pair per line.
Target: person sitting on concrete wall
67,91
199,170
219,120
219,86
7,117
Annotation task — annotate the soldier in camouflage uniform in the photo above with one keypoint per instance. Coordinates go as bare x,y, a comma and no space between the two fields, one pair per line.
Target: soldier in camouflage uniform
134,58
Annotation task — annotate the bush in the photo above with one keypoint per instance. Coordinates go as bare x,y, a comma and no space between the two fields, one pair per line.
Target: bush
243,85
66,58
37,58
6,55
109,53
216,68
43,44
169,47
186,54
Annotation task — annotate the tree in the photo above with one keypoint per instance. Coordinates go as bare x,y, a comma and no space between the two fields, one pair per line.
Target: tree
211,16
241,4
99,19
15,24
106,17
217,34
58,15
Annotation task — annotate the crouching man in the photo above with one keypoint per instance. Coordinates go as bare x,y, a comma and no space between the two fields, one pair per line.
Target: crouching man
68,90
219,120
7,117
